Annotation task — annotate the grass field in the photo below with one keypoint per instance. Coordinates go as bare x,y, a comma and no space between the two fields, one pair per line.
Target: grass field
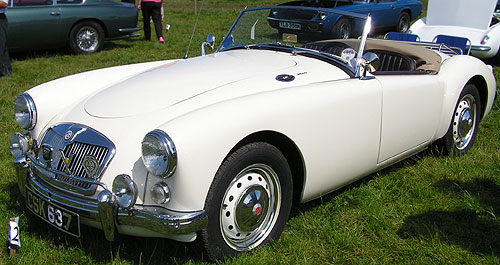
424,210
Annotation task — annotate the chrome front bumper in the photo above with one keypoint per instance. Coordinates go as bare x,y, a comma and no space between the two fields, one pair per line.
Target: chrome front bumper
104,213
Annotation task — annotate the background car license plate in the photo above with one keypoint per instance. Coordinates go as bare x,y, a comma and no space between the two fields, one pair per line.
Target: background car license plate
289,25
64,220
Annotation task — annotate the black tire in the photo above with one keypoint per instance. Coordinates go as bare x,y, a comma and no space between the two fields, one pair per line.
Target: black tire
342,29
464,124
259,173
403,22
86,37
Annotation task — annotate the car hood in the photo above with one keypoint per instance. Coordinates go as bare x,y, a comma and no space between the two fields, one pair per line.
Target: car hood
179,81
463,13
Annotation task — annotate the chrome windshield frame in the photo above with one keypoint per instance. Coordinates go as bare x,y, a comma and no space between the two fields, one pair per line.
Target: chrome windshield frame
364,36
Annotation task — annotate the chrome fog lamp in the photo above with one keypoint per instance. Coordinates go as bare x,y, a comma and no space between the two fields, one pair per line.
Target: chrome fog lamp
160,193
159,154
25,111
125,190
19,145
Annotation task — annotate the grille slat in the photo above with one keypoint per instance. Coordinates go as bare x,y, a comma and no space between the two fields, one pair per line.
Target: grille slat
76,167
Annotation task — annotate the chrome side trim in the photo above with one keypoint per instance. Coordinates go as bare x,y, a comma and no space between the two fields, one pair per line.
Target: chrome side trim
129,30
480,48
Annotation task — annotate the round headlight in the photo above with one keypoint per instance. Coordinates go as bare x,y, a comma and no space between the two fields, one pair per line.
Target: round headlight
19,145
159,154
25,111
160,193
125,190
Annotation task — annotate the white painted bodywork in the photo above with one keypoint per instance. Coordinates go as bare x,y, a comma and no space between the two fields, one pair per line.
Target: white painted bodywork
343,127
462,18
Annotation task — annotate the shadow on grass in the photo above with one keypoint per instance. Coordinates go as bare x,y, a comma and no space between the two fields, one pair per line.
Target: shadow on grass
49,53
476,230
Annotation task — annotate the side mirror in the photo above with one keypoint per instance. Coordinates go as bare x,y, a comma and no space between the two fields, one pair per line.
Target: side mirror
210,42
370,60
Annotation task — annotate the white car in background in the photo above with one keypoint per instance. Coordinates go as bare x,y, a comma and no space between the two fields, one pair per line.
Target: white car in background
474,20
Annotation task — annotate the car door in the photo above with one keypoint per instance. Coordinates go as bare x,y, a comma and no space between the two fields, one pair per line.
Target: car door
384,13
33,24
411,112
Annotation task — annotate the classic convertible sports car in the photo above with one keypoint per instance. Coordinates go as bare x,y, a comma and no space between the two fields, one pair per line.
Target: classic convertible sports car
269,119
82,25
386,15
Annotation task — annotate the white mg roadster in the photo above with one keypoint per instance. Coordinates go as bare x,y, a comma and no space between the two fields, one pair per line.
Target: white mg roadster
220,146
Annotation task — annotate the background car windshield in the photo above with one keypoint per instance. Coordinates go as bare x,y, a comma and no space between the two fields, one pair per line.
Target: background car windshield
291,26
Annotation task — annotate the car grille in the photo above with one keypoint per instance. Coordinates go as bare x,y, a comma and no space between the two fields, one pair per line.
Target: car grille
76,168
74,153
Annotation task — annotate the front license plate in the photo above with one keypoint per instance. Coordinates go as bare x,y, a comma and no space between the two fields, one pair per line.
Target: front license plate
62,219
289,25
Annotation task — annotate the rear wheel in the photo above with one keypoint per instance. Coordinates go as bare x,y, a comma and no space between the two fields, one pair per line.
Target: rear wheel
342,29
464,124
403,22
86,37
249,201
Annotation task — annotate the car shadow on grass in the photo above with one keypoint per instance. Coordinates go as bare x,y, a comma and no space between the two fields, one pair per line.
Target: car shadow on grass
49,53
475,227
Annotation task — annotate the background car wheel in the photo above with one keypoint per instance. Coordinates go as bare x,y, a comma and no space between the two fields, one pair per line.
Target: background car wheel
86,37
249,201
464,124
342,29
403,22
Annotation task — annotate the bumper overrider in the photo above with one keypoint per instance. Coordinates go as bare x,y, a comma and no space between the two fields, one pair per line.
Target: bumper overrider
103,212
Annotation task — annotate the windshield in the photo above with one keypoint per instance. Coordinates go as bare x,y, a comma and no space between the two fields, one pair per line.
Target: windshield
300,29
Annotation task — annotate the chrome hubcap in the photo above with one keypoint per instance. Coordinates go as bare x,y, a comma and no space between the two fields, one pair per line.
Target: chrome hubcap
250,207
464,122
87,39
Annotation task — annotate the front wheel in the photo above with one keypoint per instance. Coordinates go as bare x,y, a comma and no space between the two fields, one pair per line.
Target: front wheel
249,201
464,124
86,37
403,22
342,29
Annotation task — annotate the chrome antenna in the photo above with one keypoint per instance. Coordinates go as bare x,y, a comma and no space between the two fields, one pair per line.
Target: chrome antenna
194,28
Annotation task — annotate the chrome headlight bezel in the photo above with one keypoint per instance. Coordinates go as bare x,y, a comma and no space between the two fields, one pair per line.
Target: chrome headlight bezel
19,145
25,111
159,154
125,191
160,193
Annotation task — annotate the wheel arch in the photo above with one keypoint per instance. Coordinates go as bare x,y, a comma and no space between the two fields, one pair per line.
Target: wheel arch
100,22
289,149
482,88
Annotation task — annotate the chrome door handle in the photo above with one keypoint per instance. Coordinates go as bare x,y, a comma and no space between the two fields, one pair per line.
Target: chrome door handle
54,13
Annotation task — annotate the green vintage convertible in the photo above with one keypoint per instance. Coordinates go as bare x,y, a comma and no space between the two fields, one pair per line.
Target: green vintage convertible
82,25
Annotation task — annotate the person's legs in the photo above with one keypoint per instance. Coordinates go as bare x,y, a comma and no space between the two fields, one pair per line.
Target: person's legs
146,17
5,67
156,14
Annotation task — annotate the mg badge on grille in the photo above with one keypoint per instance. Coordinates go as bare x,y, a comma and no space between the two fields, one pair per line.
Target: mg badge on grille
68,135
90,164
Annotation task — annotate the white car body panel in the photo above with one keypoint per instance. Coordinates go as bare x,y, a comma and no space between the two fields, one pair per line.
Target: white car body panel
468,19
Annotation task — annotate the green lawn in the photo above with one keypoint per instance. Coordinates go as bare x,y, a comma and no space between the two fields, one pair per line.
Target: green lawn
424,210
